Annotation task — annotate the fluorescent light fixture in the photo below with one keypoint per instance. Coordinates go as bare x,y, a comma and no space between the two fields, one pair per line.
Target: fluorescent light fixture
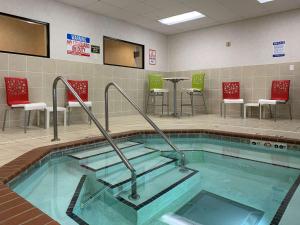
264,1
182,18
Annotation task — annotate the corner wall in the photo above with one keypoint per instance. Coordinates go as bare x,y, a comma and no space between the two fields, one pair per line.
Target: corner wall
252,43
249,59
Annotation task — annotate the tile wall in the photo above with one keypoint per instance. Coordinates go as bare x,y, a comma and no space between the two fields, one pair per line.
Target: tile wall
42,71
255,84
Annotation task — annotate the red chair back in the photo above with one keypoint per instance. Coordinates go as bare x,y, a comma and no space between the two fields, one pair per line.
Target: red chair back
280,90
231,90
16,90
81,88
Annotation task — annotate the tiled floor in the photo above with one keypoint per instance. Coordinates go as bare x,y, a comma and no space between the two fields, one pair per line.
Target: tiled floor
13,142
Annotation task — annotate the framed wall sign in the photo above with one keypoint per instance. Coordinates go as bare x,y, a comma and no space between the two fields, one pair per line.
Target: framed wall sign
152,57
78,45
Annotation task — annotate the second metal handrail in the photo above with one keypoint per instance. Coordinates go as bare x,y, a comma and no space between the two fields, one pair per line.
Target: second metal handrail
134,194
180,153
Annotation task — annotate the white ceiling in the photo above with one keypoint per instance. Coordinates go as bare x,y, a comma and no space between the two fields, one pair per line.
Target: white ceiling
145,13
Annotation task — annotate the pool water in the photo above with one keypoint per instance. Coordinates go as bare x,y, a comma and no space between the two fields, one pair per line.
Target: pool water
164,191
208,208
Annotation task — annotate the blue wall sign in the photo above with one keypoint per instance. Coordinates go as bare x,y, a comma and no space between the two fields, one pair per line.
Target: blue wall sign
278,49
78,45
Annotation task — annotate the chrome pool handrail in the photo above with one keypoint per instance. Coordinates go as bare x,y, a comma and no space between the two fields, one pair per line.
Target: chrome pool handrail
159,131
134,194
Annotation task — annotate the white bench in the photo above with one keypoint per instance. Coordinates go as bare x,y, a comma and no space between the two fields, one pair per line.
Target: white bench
59,109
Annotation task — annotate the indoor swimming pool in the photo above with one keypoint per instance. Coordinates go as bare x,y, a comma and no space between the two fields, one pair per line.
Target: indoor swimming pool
228,183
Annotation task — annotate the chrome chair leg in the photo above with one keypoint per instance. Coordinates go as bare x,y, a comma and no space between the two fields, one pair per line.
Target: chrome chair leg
29,115
204,103
69,115
221,109
45,121
275,109
147,104
168,104
90,120
5,114
154,104
192,103
270,109
241,113
25,122
290,109
181,103
224,110
162,103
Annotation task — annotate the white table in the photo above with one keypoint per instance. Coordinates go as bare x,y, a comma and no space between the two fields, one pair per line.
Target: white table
175,80
249,105
59,109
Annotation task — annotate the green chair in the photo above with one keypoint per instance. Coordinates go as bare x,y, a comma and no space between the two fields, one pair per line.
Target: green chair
196,90
156,88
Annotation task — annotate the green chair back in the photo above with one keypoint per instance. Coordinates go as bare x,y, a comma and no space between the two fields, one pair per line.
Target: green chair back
155,81
198,81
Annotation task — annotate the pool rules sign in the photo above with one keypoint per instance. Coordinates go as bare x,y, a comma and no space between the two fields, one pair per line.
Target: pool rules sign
278,49
78,45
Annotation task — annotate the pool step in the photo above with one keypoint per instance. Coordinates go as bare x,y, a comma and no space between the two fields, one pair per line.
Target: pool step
159,180
157,191
101,150
118,175
157,184
109,159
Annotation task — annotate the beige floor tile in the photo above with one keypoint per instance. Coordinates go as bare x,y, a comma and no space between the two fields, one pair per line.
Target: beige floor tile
13,142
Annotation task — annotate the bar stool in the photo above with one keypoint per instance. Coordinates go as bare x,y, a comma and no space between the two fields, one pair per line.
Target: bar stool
156,88
196,90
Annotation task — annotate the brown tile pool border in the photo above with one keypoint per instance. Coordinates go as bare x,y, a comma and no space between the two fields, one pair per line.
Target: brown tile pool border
15,210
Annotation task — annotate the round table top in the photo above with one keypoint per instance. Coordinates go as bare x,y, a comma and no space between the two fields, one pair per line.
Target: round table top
174,79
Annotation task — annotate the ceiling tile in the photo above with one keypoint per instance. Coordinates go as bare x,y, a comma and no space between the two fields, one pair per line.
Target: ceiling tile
78,3
146,13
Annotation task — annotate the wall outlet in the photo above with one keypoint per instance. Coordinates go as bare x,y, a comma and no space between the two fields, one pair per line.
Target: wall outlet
292,67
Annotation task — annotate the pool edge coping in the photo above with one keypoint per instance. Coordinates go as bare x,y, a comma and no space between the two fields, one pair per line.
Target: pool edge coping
15,167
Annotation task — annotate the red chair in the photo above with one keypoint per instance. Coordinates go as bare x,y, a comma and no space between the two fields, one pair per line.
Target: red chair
17,97
280,94
231,95
82,89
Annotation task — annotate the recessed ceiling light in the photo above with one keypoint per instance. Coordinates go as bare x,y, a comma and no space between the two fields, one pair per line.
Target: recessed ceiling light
182,18
264,1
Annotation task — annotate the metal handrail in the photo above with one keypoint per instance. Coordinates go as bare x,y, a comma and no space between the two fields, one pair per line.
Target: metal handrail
134,194
180,153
